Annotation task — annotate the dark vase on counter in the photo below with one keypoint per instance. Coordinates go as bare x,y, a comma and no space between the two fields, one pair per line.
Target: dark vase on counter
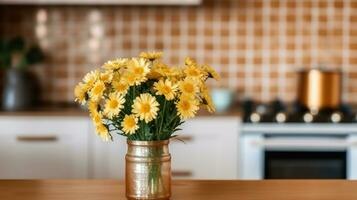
20,90
1,84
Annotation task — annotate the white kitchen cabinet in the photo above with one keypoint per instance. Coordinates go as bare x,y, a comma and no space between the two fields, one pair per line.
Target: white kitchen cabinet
107,158
43,147
209,151
46,147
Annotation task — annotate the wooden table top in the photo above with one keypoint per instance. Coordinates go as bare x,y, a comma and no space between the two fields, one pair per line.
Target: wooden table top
186,190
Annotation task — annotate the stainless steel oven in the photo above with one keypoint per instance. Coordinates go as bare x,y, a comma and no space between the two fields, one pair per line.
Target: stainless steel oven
298,151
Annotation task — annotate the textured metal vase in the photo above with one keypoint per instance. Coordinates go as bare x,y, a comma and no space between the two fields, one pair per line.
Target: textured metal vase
148,170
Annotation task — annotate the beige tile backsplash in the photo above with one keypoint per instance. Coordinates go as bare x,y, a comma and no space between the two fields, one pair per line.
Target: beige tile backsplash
256,45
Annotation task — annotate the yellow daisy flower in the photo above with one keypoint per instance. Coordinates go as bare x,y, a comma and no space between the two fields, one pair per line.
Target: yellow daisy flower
97,118
189,62
91,77
139,68
193,71
93,107
151,55
188,86
211,72
129,78
145,107
115,64
106,76
113,105
207,100
166,88
80,93
130,124
97,91
187,107
103,132
158,70
120,87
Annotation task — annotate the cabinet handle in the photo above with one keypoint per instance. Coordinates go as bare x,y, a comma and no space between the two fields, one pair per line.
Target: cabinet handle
185,138
31,138
181,173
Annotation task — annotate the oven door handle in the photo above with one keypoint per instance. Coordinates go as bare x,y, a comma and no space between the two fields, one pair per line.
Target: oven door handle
325,144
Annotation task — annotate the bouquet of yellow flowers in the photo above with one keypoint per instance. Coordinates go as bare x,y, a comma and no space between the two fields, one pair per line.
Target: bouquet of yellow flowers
143,98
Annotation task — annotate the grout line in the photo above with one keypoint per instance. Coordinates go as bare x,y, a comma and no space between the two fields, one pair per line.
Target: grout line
232,39
282,51
266,85
314,34
346,49
299,37
249,53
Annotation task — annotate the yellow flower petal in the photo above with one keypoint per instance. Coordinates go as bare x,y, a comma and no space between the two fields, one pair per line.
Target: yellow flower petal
145,107
113,105
80,93
130,124
165,88
151,55
188,86
187,107
97,91
103,132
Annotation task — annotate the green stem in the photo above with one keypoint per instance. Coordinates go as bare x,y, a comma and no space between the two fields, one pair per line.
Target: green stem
162,120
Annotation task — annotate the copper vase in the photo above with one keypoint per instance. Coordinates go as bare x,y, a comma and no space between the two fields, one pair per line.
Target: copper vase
148,170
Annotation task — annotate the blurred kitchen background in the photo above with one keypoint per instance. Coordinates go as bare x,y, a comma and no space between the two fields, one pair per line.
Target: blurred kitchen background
257,46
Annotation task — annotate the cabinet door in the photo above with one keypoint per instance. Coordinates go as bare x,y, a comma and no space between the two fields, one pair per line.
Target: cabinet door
43,147
210,149
107,158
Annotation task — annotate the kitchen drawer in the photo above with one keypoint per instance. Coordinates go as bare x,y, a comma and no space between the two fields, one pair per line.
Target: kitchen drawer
43,147
210,125
209,150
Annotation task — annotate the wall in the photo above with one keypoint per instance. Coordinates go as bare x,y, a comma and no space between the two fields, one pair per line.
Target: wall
257,46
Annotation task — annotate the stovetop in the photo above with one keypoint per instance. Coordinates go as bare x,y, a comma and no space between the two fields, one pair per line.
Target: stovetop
280,112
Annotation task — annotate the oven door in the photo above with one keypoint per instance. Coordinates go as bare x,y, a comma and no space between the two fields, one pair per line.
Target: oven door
296,157
286,164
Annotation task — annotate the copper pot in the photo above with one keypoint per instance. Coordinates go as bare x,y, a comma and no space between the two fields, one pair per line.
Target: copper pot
319,88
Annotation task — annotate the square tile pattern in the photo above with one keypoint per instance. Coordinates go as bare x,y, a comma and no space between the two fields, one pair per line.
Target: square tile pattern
256,45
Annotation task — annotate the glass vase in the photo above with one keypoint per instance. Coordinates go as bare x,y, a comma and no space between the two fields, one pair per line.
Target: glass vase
148,170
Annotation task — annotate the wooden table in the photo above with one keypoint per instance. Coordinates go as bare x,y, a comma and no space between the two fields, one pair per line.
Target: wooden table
186,190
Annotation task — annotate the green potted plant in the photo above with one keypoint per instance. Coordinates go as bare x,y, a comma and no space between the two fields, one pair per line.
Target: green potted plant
19,86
